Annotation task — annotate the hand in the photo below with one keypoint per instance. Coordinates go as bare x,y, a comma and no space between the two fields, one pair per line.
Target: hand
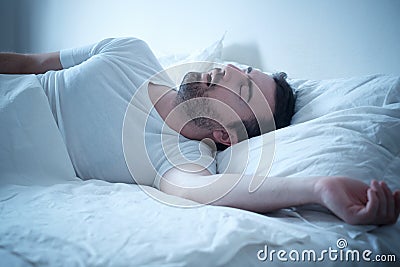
357,203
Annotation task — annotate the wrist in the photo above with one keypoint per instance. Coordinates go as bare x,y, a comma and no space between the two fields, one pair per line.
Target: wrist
311,190
320,186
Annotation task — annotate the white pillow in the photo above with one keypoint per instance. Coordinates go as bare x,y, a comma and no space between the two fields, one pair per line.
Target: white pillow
318,98
177,65
212,53
31,148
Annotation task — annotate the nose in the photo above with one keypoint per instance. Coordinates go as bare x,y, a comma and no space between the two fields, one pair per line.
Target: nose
231,72
233,67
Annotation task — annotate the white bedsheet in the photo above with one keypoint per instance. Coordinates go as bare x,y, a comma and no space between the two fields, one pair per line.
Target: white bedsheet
101,224
95,223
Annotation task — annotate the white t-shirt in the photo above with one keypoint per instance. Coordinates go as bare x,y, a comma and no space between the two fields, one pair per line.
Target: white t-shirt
89,99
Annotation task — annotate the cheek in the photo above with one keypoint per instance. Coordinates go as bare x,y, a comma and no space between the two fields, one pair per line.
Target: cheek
225,96
239,107
231,99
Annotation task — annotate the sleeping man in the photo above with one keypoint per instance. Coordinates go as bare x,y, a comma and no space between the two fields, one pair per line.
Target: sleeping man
122,120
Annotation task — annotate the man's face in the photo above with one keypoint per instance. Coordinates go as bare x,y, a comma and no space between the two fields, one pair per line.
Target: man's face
245,92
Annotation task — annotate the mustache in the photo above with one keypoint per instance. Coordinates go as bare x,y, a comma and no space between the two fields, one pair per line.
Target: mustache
214,77
191,77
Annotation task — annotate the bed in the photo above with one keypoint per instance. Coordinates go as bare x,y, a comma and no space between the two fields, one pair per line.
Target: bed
49,217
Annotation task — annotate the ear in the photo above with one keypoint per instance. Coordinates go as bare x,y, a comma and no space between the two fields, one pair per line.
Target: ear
223,137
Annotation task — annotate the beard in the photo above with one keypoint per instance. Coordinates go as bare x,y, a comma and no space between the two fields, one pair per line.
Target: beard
192,99
191,87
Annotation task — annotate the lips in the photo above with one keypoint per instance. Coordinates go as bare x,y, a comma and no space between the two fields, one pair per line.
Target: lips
205,78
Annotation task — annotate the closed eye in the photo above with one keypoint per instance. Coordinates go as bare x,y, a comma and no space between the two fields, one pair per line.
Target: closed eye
250,85
209,78
243,90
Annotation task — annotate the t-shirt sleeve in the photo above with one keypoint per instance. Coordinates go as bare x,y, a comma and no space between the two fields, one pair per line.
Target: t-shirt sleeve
75,56
190,152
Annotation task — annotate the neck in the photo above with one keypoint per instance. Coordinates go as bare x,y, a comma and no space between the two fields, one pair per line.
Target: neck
163,99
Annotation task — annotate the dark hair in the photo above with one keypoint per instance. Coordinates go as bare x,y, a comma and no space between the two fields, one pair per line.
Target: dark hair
284,110
284,101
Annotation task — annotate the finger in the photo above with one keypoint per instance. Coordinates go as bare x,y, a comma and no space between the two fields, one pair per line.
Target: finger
381,197
390,209
372,206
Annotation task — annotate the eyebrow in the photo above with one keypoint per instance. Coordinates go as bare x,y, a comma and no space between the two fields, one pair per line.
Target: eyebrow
250,84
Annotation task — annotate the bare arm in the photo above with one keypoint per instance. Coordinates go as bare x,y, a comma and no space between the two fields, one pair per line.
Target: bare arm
275,193
351,200
13,63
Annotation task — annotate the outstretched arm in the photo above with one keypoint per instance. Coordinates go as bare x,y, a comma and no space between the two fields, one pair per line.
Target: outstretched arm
13,63
351,200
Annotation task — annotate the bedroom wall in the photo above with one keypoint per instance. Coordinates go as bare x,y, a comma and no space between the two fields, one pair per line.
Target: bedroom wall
7,26
307,39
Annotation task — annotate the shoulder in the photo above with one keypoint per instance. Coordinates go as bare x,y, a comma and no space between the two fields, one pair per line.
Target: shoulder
123,44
